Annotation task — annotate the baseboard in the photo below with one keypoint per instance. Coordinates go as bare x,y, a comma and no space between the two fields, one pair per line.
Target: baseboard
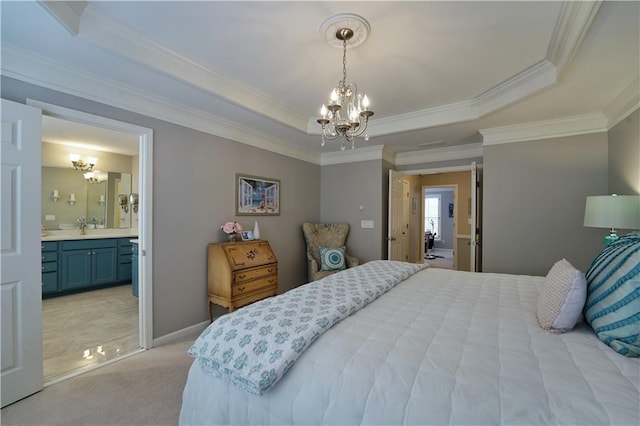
177,335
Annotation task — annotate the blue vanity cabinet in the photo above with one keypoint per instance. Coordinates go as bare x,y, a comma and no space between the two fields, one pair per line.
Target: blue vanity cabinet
88,263
124,260
49,263
134,264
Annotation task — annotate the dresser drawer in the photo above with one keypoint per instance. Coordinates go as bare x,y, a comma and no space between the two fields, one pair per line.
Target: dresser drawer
250,286
49,282
49,245
50,267
49,256
252,274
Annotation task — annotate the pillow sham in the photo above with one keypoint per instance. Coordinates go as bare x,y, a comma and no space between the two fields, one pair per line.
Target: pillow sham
561,298
332,258
613,295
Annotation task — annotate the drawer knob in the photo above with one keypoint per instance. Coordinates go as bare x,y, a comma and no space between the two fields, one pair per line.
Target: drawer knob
240,288
242,277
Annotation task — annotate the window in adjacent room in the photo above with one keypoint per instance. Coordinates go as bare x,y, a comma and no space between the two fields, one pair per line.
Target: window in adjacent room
432,214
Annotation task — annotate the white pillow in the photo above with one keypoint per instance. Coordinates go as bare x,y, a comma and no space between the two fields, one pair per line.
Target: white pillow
561,298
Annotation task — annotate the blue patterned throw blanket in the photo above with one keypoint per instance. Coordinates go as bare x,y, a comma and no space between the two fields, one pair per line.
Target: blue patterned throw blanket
254,347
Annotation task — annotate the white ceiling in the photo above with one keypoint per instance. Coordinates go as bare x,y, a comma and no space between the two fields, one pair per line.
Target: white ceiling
257,72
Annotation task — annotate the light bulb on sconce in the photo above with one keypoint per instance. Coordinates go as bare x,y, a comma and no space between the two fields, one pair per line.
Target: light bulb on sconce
55,195
72,199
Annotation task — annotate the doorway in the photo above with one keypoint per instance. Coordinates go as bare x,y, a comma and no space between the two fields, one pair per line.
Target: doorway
439,212
116,336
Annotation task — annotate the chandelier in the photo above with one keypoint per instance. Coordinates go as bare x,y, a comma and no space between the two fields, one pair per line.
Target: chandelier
79,164
347,114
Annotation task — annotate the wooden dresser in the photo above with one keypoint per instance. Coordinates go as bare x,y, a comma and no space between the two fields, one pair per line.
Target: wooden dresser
241,273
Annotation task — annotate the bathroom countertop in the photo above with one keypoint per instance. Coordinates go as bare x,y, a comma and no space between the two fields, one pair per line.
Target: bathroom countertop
91,234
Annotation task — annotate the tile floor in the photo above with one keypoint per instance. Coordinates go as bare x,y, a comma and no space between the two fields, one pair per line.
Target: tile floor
89,328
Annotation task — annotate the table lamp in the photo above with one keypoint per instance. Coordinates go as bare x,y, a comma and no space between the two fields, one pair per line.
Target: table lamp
612,211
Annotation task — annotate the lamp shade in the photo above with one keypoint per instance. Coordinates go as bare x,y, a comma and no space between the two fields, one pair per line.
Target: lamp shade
612,211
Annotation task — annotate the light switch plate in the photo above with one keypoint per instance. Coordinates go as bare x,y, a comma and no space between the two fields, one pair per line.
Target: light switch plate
366,224
50,217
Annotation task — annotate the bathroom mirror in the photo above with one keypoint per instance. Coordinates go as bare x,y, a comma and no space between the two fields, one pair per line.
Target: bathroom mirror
76,197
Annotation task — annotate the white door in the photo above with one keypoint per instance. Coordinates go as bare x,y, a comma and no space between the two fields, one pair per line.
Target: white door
476,218
394,239
21,281
404,226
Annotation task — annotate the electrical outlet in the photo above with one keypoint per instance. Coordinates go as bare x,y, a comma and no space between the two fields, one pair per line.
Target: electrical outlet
50,217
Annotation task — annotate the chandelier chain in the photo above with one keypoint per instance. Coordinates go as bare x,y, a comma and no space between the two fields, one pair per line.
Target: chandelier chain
344,61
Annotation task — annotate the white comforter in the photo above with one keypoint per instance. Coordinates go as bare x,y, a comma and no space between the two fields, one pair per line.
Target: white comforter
443,347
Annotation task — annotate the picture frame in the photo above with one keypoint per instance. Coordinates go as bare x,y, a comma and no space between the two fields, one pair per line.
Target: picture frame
257,196
247,236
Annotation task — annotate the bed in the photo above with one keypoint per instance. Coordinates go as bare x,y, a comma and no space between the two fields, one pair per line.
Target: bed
440,347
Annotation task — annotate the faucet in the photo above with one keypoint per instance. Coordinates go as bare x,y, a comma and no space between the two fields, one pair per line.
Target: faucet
82,223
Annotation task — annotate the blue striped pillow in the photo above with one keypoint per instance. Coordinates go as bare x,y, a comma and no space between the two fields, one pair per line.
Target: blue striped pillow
613,295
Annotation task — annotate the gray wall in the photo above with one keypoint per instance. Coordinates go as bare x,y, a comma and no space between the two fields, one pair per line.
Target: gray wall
533,203
346,187
194,194
624,156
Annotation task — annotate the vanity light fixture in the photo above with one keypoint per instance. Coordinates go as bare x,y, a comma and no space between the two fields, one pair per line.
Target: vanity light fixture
80,164
94,177
72,199
101,200
55,195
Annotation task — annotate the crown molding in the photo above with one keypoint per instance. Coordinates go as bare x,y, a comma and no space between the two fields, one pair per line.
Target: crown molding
534,79
556,128
87,22
121,40
537,77
627,102
376,152
67,13
573,24
25,66
458,152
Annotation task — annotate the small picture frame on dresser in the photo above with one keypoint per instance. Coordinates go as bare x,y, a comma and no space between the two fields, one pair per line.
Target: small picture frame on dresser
247,235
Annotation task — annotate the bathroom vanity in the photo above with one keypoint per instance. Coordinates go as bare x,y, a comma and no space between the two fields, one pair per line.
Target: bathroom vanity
75,263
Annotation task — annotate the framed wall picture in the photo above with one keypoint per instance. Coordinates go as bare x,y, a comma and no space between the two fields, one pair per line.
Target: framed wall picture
247,235
257,196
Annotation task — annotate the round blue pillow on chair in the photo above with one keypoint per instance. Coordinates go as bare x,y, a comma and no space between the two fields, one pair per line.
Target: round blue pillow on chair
332,258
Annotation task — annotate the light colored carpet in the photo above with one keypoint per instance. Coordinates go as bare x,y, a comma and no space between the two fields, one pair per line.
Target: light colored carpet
143,389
